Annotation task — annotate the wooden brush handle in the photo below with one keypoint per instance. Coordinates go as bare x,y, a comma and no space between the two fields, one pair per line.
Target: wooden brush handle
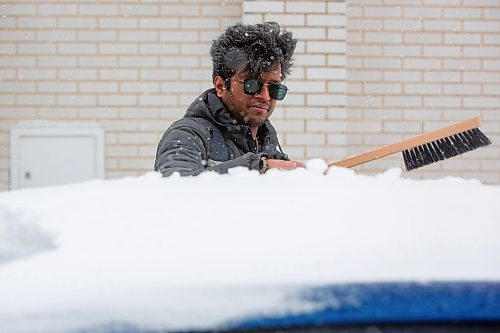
408,143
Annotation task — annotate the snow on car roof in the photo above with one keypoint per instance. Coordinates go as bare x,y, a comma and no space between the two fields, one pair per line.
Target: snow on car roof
197,252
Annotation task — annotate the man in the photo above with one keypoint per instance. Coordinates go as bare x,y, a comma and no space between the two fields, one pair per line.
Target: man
228,126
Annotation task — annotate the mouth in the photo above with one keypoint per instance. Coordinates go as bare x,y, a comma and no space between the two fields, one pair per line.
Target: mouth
259,108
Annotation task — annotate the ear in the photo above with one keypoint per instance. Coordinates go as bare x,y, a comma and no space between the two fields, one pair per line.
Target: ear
219,85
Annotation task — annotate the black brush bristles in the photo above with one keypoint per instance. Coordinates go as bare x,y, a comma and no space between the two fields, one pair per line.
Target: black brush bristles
441,149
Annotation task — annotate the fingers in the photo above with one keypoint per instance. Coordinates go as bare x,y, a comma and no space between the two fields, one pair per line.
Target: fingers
299,164
284,165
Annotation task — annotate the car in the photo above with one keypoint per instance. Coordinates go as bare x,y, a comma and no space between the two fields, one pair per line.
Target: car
283,252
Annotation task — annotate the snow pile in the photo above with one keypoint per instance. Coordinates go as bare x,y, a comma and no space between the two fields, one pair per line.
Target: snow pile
20,237
317,166
197,252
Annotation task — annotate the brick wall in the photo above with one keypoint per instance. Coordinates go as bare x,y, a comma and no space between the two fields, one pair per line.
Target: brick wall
419,66
131,66
134,67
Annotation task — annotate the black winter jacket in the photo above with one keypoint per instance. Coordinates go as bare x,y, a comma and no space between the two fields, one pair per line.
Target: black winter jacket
186,146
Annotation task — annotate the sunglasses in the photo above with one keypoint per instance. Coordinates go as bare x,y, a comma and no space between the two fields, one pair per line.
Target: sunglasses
277,91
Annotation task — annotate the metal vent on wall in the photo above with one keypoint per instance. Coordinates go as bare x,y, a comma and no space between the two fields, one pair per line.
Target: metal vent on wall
47,153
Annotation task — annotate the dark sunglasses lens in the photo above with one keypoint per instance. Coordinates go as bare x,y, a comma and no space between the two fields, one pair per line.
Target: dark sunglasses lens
277,91
252,86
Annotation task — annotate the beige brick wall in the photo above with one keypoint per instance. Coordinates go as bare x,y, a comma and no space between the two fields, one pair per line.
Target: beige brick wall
414,66
133,67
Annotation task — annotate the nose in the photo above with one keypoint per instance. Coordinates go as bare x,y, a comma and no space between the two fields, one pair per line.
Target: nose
264,93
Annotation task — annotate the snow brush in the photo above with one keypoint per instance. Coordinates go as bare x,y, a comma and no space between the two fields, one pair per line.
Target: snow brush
427,148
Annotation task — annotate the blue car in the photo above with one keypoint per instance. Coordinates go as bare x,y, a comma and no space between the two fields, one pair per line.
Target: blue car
390,307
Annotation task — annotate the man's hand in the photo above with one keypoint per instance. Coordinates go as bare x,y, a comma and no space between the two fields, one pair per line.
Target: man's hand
284,165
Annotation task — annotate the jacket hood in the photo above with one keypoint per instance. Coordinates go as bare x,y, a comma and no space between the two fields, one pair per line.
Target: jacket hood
209,106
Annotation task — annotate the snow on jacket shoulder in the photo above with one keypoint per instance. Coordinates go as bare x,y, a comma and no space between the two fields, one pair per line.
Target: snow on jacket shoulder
187,146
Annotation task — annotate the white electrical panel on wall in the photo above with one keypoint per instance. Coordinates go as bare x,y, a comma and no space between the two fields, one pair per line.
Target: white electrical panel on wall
55,153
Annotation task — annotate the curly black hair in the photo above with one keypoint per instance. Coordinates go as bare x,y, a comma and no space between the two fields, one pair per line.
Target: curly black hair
253,48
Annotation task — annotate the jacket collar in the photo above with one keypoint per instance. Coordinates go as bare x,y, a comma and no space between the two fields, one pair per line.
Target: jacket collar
210,106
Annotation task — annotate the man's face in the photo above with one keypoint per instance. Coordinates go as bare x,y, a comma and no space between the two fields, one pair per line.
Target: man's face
252,110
